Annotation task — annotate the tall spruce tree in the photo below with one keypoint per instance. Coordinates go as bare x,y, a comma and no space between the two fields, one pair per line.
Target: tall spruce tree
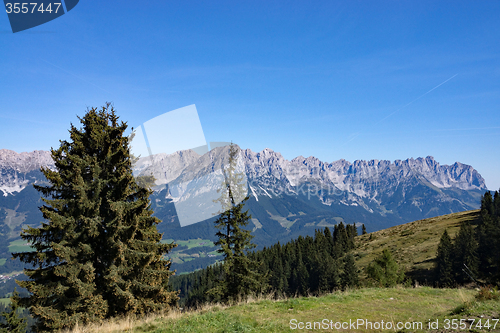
495,236
385,270
496,203
487,204
444,261
240,276
98,253
466,260
350,276
488,237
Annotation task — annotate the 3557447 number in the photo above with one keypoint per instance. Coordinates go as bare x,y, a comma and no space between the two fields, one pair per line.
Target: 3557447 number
31,7
470,324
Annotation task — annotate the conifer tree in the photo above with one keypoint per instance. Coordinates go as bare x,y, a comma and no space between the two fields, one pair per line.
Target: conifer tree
496,203
300,276
466,260
98,253
487,204
444,261
13,323
352,232
385,270
363,229
488,237
495,236
290,273
329,239
241,276
340,240
323,272
350,276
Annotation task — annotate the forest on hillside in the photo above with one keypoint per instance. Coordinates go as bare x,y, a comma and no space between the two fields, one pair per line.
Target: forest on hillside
474,255
306,265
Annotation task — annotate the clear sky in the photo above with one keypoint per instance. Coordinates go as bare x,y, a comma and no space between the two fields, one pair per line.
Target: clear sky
352,80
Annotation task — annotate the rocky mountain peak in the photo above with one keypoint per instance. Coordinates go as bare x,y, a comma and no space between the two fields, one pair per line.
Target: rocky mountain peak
17,170
370,178
25,162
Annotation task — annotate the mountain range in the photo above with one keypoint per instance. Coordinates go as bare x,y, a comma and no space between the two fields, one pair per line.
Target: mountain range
287,197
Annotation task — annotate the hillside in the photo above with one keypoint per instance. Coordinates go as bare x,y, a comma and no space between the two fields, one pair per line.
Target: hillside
413,244
392,306
287,198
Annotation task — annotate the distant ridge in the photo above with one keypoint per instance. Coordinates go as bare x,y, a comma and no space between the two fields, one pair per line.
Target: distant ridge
293,197
17,170
287,198
340,173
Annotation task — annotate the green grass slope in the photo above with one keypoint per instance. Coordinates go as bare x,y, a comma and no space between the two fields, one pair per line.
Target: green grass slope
413,244
414,307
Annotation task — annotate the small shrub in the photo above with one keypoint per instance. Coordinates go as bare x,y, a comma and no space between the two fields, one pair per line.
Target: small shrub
463,308
406,233
488,293
385,270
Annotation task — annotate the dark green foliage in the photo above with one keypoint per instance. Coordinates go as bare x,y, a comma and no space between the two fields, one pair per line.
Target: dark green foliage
98,253
306,265
488,237
444,262
474,254
363,228
466,261
300,275
385,270
13,322
22,313
193,288
352,232
487,204
350,275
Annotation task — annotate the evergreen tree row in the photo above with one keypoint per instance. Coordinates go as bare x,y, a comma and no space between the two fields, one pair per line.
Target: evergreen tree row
307,265
474,253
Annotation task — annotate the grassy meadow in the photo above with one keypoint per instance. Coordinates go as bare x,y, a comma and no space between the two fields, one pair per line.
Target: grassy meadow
19,246
414,246
184,253
391,305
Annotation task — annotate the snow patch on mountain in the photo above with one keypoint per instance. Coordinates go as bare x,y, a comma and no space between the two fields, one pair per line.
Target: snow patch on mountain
17,170
367,184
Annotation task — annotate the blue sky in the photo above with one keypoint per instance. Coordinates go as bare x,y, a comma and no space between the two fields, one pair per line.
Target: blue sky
353,80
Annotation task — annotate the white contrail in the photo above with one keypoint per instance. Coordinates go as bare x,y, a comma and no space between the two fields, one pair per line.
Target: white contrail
416,99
